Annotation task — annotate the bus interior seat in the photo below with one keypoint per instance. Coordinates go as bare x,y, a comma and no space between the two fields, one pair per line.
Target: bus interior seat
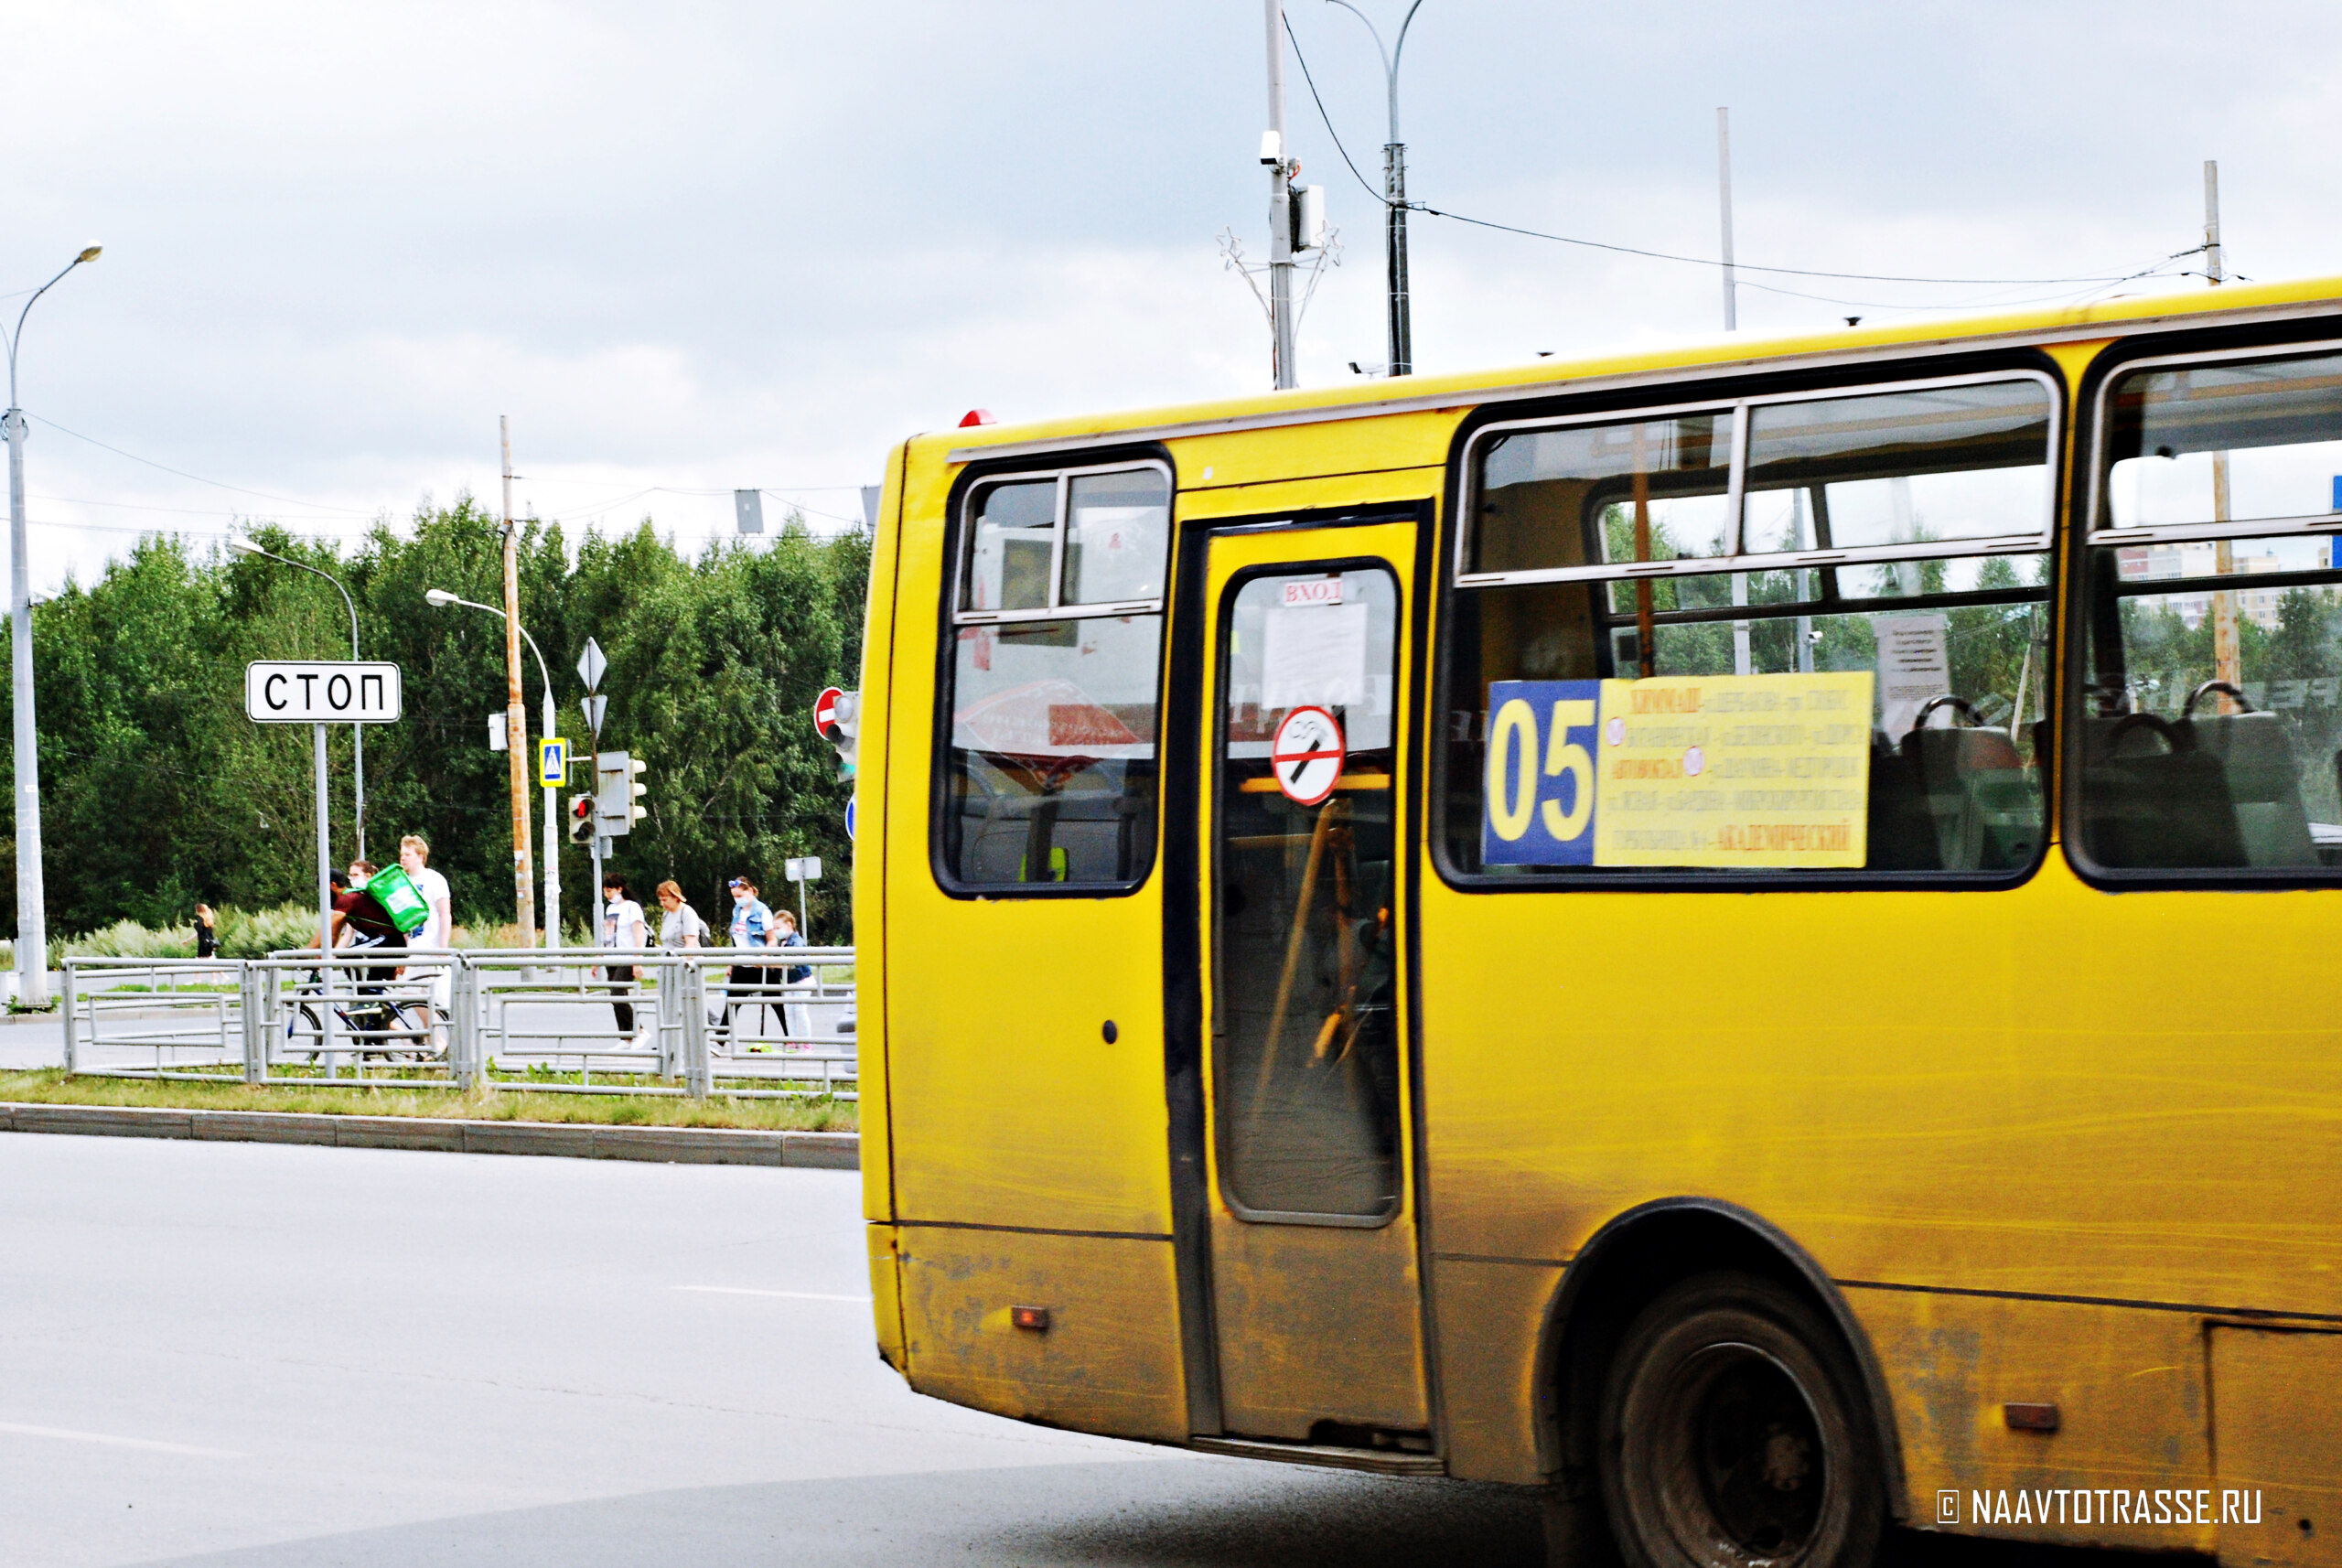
2264,785
2151,800
1902,834
1952,799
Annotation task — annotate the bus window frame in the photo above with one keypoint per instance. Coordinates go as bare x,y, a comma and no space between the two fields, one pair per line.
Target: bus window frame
2121,359
1743,408
959,537
1742,396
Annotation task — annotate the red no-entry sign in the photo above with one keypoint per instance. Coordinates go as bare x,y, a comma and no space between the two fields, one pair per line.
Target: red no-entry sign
825,712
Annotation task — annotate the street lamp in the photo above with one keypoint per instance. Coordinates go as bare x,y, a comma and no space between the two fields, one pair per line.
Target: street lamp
357,731
32,918
443,599
1394,197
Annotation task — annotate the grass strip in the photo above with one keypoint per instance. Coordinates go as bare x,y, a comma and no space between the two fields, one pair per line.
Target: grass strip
51,1086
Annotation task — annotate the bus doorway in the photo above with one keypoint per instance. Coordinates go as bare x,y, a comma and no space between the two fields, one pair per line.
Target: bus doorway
1316,1290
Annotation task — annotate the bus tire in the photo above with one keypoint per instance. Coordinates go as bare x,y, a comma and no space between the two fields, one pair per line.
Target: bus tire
1734,1433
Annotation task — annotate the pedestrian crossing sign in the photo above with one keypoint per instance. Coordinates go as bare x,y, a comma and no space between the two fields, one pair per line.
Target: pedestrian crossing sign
552,763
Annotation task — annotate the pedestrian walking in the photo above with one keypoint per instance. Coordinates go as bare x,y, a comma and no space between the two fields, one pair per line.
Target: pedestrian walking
680,926
751,927
622,929
414,858
207,931
794,1017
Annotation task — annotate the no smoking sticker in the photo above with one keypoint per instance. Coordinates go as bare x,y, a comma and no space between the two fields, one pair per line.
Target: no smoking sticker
1306,755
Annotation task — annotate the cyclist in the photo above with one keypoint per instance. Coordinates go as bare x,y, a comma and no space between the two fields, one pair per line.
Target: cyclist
361,924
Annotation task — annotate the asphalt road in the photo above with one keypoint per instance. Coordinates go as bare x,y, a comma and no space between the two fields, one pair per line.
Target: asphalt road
254,1355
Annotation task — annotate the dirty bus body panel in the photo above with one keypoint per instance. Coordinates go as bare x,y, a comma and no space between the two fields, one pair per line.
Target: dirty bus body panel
1979,1044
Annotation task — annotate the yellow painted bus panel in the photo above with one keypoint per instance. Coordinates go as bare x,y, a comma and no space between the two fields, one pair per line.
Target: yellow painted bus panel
1399,486
887,1295
1335,1325
2004,1090
1108,1359
1010,1107
1360,447
1487,1317
2277,1429
2128,1392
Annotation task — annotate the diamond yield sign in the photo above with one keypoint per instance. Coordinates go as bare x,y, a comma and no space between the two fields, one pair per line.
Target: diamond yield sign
1306,755
825,712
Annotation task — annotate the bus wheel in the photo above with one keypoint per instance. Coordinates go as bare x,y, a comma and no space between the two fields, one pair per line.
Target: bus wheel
1735,1434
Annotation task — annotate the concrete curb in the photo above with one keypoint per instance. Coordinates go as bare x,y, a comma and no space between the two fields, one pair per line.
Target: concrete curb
675,1145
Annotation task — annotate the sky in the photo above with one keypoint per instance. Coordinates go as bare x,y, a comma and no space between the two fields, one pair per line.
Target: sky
693,247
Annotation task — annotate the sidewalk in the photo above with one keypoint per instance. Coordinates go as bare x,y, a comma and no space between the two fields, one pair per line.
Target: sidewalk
673,1145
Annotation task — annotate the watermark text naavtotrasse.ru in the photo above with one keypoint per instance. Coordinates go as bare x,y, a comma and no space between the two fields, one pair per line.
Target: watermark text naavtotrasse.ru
2103,1504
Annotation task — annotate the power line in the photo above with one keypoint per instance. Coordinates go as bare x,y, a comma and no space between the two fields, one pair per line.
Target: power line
1668,255
198,478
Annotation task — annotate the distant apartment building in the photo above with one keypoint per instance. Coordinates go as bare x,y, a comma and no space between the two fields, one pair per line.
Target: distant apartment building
2197,560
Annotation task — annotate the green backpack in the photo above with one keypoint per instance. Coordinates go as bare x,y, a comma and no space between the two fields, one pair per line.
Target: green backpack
400,898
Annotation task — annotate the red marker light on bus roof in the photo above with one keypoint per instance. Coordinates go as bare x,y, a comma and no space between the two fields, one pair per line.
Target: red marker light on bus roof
977,416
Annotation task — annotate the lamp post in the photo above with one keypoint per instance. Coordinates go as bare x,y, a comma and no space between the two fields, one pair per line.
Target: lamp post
443,599
32,918
1394,197
357,731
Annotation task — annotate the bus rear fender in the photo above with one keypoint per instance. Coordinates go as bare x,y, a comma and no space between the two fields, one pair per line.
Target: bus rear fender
1626,1263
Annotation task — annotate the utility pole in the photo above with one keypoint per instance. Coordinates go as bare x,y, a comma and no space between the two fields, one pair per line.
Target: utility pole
1280,209
32,918
2227,657
516,718
1394,195
1723,195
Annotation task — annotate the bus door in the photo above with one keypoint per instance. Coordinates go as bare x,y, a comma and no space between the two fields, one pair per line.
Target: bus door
1315,1291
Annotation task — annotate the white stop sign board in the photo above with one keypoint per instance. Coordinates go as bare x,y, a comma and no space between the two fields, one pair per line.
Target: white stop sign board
321,691
1306,755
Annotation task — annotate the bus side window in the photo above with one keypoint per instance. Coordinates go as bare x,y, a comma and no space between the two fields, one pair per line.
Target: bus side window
1892,536
1056,655
2216,614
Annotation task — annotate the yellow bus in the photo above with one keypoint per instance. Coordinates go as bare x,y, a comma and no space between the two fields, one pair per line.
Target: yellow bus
1746,935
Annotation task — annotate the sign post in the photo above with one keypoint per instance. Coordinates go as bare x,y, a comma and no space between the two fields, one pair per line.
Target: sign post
318,692
801,870
590,665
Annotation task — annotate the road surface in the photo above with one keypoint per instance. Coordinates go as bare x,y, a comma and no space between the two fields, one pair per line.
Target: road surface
256,1355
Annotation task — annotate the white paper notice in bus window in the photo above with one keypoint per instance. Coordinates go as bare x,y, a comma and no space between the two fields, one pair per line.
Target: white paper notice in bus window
1914,666
1316,655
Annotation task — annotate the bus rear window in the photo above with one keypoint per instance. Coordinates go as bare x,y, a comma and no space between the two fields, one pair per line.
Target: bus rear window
1053,690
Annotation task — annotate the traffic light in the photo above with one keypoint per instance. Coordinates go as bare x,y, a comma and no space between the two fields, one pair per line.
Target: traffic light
580,818
618,786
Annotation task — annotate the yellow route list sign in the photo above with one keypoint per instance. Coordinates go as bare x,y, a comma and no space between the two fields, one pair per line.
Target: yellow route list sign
1722,771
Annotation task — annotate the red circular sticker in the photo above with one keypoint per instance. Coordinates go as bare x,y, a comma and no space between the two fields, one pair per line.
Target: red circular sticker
1306,755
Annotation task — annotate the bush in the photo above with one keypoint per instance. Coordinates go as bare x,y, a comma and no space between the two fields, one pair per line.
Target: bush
243,934
128,939
264,931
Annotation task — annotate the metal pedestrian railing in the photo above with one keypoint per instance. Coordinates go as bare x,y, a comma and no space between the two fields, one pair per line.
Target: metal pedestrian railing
691,1021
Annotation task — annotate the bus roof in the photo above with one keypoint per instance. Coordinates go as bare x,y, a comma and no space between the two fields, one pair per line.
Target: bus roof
1545,378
